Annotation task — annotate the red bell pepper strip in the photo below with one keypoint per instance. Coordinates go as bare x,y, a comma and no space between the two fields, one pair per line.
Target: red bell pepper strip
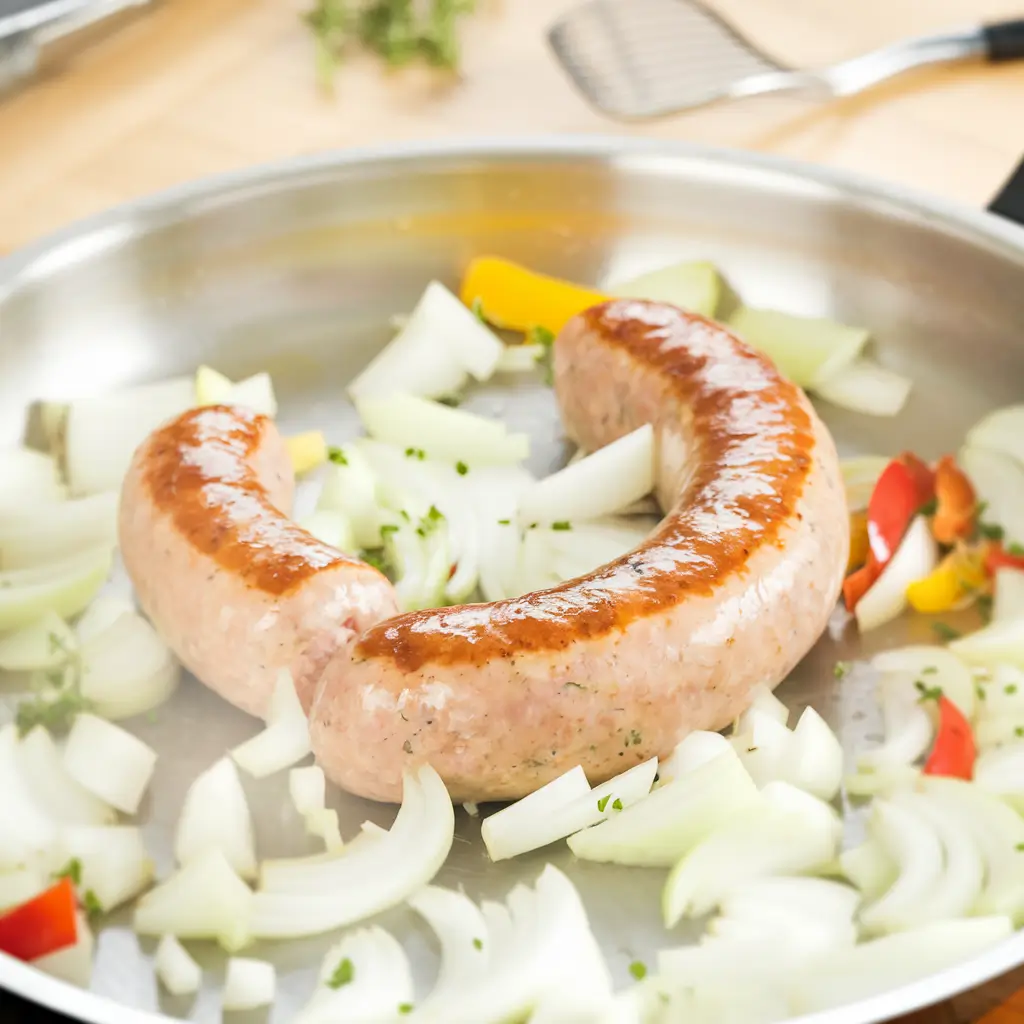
954,751
43,925
997,557
905,486
858,583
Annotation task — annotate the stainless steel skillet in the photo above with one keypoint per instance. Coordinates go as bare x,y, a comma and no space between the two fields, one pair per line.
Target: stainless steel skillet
296,268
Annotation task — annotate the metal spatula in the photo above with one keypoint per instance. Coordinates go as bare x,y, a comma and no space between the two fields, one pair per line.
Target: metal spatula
646,58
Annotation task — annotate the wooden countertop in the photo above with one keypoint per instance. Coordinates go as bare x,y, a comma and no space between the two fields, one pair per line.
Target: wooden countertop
194,87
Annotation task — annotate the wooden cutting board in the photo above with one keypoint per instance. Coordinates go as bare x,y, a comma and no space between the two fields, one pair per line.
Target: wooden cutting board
187,88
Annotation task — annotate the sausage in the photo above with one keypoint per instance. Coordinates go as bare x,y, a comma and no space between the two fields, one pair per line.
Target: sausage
236,589
607,670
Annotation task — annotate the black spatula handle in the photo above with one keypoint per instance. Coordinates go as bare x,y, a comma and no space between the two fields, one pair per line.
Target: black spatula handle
1005,39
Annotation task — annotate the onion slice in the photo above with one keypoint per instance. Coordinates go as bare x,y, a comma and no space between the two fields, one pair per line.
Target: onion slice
869,867
284,741
177,971
908,726
999,643
998,481
114,864
72,964
866,387
695,285
248,984
28,479
886,599
936,667
45,643
1009,595
51,532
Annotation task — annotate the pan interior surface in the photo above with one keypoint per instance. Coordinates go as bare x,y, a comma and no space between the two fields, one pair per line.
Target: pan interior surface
297,270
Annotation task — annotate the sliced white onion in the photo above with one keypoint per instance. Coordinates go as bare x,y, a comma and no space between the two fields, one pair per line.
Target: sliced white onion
255,393
72,964
368,879
28,479
810,351
694,285
379,981
536,570
446,434
64,587
520,358
866,387
674,818
860,475
101,614
331,527
1002,695
27,833
886,598
813,898
870,780
422,563
763,701
1000,431
215,816
53,788
992,732
548,800
998,481
350,489
115,866
1009,595
935,667
109,762
323,823
765,748
601,484
790,832
248,984
19,885
51,532
101,433
205,899
691,752
176,970
475,345
587,545
127,669
997,643
284,741
1001,772
855,973
869,868
46,643
308,789
533,832
908,726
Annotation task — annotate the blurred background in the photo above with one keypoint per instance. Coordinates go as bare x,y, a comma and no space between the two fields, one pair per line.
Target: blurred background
171,90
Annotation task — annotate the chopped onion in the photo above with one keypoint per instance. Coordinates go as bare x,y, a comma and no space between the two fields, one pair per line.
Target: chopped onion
601,484
535,570
45,643
204,899
813,898
1001,772
47,533
520,358
101,614
878,781
541,803
790,832
380,981
994,644
101,433
936,667
857,972
763,701
350,488
998,480
127,669
691,752
886,598
331,527
72,964
109,762
1009,595
255,393
1001,696
422,562
51,786
696,286
446,434
19,885
869,868
28,479
215,816
27,833
323,823
908,726
866,387
248,984
284,741
533,832
995,731
366,880
765,749
674,818
860,475
177,971
114,864
308,789
1000,431
584,547
64,587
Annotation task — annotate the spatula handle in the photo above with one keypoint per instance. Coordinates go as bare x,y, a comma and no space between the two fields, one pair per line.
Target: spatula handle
1009,202
1005,39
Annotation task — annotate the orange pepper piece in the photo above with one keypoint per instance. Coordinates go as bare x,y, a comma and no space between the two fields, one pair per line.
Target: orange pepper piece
860,546
956,503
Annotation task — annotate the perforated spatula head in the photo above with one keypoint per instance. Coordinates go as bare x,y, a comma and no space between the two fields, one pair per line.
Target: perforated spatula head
642,58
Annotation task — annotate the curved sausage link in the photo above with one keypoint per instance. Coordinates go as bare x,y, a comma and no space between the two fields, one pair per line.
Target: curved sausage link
731,590
236,589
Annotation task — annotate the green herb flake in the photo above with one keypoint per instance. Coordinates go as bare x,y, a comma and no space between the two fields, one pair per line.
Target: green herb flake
1019,730
981,692
841,669
53,711
1010,689
72,870
343,974
991,531
461,468
388,528
638,969
561,525
478,309
616,804
927,692
928,508
452,401
478,943
542,336
603,803
415,453
405,1008
1015,549
91,903
337,456
504,522
929,670
945,631
1020,847
374,558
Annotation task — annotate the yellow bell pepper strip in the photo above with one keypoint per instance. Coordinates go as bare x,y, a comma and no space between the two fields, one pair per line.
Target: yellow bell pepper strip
307,451
860,546
959,575
513,297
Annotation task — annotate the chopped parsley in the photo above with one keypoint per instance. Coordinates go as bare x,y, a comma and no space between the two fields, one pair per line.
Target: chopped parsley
927,692
1010,689
603,803
991,531
404,1008
55,709
929,670
1020,847
561,525
542,336
638,969
91,903
415,453
928,508
337,456
388,528
461,468
616,804
945,631
452,401
376,559
504,522
841,669
981,692
478,943
72,870
1015,549
1019,730
478,309
343,974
